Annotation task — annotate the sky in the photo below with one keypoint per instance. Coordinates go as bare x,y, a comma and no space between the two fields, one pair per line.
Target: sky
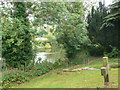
107,2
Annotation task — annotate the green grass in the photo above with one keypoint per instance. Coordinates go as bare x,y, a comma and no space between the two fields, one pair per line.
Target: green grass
79,79
98,64
82,79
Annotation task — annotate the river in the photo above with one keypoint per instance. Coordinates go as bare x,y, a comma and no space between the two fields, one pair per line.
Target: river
44,56
50,56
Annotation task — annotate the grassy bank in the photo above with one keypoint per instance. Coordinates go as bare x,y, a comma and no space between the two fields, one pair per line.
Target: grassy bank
80,79
114,63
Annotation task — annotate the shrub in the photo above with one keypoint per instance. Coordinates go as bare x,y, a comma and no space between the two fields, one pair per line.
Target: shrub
114,53
42,68
15,76
82,57
96,50
17,37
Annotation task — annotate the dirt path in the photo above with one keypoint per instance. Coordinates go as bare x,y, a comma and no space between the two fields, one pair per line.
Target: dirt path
83,64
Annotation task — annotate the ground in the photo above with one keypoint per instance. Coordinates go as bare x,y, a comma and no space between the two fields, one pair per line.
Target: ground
79,79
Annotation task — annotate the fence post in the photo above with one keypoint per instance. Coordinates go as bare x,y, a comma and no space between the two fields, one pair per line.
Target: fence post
105,71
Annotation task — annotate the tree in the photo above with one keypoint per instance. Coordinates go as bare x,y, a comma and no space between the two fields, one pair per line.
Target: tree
68,17
111,25
103,26
72,32
17,46
95,20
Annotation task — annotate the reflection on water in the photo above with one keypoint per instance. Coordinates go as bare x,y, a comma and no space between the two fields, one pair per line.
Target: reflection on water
42,55
50,56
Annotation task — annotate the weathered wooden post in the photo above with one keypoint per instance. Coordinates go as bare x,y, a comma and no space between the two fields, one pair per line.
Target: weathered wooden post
105,71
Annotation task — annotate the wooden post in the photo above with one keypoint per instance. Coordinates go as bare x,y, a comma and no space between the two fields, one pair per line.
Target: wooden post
105,72
105,61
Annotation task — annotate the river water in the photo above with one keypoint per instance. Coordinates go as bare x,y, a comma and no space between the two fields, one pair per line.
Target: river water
50,56
44,56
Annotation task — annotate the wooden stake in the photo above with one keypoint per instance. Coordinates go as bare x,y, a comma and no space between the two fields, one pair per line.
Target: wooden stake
105,61
105,72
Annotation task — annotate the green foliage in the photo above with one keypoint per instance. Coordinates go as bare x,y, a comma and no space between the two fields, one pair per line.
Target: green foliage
73,38
82,57
114,53
13,45
42,68
111,25
68,19
103,26
16,39
95,19
50,12
114,15
96,50
72,33
13,76
18,76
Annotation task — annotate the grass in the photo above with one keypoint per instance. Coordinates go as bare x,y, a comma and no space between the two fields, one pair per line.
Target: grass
80,79
98,64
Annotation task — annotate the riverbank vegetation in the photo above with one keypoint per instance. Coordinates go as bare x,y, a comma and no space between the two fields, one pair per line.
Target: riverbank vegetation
77,33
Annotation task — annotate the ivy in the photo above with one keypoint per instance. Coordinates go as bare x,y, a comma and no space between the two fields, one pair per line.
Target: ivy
16,39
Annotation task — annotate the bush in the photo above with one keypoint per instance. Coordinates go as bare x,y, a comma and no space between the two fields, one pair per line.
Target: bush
82,57
96,50
42,68
16,44
16,76
115,53
13,76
